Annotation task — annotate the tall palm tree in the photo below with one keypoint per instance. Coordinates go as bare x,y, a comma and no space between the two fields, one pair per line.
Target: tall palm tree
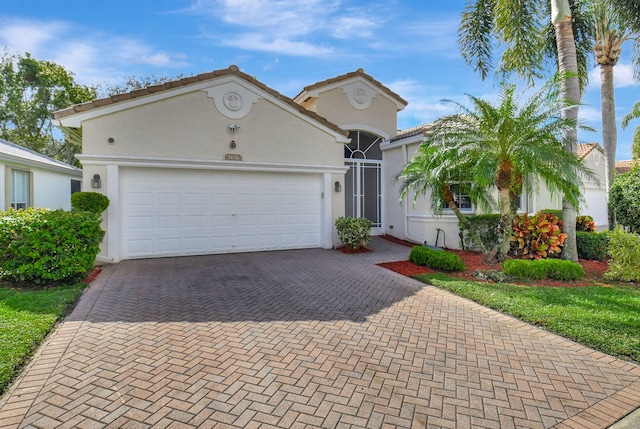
522,29
609,37
511,146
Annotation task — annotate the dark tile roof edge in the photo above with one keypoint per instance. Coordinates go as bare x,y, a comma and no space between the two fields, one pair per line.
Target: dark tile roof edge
231,70
411,132
360,72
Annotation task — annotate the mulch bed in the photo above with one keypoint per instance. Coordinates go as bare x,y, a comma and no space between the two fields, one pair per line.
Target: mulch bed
473,261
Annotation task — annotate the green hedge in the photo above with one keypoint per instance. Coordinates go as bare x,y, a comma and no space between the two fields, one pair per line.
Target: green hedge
436,259
557,269
592,245
44,246
624,250
93,202
487,227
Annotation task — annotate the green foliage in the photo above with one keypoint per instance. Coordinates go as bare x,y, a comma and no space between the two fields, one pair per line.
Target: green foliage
592,245
133,82
30,91
354,232
624,250
557,269
557,213
92,202
624,196
537,236
27,316
44,246
436,259
585,223
486,228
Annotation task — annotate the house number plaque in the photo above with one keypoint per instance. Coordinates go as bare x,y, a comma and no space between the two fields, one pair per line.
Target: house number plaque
233,157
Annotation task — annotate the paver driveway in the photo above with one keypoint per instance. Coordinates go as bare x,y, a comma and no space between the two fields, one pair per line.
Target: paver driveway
309,338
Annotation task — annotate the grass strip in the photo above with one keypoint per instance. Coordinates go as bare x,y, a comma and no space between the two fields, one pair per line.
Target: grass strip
26,317
606,318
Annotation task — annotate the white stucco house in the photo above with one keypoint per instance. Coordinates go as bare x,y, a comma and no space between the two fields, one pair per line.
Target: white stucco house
219,162
30,179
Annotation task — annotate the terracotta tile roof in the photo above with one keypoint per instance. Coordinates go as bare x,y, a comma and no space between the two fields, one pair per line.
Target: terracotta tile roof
410,132
625,165
231,70
359,72
585,149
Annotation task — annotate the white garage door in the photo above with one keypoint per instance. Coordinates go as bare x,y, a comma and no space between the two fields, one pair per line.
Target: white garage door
189,212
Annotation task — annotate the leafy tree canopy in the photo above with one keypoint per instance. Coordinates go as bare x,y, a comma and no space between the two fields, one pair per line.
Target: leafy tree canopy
30,91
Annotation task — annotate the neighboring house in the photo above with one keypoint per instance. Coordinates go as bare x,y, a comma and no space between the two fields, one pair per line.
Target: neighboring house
625,165
29,179
219,162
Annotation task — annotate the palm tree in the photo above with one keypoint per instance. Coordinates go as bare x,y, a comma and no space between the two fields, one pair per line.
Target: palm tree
634,114
609,37
509,146
522,28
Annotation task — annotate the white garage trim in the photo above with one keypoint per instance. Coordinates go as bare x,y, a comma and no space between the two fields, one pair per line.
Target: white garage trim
191,163
175,212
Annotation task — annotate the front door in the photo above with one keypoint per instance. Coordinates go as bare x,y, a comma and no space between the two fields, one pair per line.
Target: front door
363,184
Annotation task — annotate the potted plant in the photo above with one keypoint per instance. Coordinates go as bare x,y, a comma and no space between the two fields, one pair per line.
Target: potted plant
353,232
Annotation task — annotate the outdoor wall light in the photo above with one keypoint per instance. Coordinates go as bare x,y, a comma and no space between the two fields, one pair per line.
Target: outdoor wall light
232,144
96,183
337,186
233,127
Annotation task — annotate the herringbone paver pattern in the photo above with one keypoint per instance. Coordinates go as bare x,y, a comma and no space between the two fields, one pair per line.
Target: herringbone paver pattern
310,338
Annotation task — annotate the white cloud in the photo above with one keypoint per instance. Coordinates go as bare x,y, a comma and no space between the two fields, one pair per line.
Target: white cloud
278,45
83,51
622,76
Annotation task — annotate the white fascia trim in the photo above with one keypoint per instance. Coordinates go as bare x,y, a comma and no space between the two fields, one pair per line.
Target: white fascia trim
72,171
367,128
386,145
75,120
198,164
315,93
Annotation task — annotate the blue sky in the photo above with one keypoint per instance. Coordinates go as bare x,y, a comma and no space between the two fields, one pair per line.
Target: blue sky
410,46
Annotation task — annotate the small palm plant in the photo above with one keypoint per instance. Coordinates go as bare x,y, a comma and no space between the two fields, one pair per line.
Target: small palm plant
511,146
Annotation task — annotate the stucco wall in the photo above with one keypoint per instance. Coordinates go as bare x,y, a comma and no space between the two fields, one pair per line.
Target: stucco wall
189,126
381,114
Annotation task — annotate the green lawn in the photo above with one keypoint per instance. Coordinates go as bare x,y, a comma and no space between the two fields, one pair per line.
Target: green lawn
605,318
26,317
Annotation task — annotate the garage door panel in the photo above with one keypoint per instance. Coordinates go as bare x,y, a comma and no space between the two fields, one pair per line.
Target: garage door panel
182,212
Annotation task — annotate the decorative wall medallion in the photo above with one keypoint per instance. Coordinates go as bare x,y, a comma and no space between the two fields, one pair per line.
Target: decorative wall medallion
233,101
359,95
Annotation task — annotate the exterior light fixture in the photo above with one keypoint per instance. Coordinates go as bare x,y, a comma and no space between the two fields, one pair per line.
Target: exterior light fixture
96,183
337,186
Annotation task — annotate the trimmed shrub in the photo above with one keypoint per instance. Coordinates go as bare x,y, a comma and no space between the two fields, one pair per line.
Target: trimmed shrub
624,250
44,246
487,227
585,223
92,202
556,269
555,212
536,237
592,245
354,232
624,197
436,259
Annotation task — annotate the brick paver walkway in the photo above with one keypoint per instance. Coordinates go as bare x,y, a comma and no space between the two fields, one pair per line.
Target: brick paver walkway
310,338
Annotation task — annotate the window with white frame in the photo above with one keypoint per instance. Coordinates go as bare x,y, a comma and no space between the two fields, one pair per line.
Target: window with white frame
463,201
523,204
20,189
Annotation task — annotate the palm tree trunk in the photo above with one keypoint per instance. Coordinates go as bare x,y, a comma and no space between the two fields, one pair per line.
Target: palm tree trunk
609,130
506,222
462,219
570,87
